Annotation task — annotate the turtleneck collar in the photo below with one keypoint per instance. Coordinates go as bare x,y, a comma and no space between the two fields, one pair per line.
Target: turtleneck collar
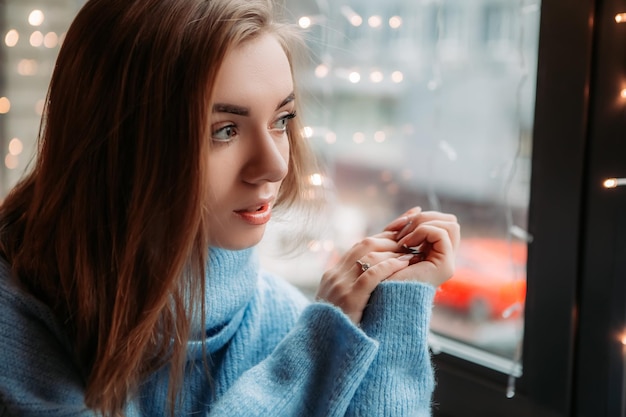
230,284
231,281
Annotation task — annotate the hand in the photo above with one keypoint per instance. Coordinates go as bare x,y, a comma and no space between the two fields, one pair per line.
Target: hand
349,284
436,235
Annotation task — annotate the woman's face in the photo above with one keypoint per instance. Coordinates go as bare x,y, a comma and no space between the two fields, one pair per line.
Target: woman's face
253,103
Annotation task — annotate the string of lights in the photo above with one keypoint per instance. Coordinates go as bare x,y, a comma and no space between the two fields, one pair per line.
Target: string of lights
30,42
610,183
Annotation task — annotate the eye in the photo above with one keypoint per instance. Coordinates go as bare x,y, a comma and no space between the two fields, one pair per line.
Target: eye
224,133
282,122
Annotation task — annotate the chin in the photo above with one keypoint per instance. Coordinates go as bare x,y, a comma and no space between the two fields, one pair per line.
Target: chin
239,241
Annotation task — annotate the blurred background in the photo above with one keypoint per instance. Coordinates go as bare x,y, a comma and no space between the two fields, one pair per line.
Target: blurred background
406,102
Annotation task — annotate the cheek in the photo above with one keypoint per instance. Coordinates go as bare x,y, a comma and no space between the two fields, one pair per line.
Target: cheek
220,172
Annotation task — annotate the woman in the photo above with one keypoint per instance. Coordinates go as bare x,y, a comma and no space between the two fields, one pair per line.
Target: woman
128,281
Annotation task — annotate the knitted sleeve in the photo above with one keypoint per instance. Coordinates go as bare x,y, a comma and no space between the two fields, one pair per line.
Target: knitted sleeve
400,380
314,371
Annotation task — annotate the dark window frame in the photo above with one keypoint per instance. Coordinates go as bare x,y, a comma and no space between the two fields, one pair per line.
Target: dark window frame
601,355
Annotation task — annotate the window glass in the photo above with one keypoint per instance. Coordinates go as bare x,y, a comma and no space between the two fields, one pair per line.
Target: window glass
426,103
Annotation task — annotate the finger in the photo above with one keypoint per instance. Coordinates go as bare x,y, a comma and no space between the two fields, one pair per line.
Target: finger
416,215
366,246
410,225
401,221
427,216
418,236
368,261
378,243
417,218
368,280
412,221
387,234
438,242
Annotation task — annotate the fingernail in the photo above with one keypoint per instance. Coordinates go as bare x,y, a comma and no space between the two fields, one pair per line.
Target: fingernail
404,229
406,257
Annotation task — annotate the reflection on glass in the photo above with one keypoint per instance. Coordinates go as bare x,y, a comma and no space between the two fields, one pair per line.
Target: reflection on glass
427,103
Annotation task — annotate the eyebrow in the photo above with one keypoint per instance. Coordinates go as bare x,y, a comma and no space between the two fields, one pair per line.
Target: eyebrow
291,97
245,111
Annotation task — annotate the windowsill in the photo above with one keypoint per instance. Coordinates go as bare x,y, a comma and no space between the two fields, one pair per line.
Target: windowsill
441,344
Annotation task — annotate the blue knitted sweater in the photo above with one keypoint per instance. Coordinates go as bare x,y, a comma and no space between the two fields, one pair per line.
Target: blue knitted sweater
271,352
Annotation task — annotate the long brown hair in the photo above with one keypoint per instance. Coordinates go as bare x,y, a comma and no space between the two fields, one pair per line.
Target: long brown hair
108,228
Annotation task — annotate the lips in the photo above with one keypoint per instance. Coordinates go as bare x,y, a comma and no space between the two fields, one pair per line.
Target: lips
256,215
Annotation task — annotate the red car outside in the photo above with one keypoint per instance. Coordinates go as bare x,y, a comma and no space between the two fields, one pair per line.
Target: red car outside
489,281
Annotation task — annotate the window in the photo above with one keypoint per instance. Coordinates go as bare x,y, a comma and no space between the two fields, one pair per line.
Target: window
430,104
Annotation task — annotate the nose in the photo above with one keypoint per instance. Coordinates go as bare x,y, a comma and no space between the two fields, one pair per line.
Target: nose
269,159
